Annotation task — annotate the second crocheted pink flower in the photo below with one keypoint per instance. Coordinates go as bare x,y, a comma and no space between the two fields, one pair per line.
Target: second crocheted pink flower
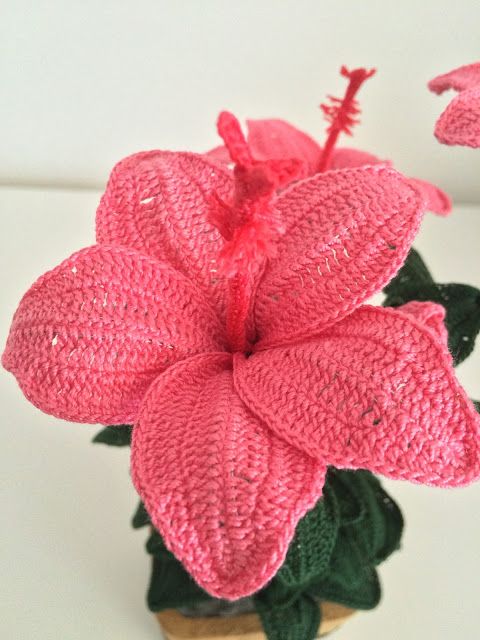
460,122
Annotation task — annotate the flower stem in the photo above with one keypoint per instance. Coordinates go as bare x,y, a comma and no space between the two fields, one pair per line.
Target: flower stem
238,306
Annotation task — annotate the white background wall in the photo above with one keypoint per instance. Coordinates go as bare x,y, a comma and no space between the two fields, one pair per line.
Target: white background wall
85,83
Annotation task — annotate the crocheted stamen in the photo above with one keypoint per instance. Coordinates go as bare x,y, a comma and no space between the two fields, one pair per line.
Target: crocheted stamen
341,112
250,223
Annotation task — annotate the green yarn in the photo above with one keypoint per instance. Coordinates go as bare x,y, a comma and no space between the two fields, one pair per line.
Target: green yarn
309,553
171,587
461,302
297,620
414,273
115,436
140,517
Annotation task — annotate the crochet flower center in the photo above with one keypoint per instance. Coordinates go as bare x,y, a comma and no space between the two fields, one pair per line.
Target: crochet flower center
250,222
250,225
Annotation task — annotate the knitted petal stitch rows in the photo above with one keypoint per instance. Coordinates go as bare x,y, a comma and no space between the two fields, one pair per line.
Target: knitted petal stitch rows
245,461
231,493
460,122
91,335
359,398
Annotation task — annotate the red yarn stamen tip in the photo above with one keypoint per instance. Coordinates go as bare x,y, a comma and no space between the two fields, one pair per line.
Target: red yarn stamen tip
340,113
357,75
230,131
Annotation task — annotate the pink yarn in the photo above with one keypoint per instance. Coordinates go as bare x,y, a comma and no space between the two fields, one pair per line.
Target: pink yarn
460,79
276,139
460,122
230,447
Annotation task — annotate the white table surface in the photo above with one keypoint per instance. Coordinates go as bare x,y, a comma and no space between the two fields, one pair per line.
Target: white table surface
71,566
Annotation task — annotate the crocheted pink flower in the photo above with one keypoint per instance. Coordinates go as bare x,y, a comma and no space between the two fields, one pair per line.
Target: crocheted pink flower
276,139
226,323
460,122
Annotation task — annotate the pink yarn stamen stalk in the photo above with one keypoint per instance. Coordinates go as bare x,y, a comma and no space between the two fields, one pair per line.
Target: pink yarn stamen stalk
342,112
249,225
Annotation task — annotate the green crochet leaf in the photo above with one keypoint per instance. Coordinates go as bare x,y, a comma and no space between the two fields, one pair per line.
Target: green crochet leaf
171,586
140,517
309,553
377,534
386,523
156,547
298,620
351,580
414,273
115,436
461,302
477,405
351,505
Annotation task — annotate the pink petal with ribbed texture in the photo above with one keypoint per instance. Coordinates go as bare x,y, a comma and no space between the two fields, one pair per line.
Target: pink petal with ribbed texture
460,122
344,158
375,391
348,232
90,336
430,315
223,490
158,202
465,77
277,140
433,197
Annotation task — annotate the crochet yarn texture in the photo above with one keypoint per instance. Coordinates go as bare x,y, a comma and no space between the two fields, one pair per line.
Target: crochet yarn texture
460,122
222,313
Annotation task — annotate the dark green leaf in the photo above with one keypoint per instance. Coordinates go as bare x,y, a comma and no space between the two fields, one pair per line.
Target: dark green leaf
309,553
115,436
351,580
477,405
298,620
351,504
140,517
156,547
171,586
413,274
387,520
377,534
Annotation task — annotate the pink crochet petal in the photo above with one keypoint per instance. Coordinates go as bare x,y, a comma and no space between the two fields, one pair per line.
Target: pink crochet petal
430,315
223,490
375,391
348,232
90,336
434,198
460,122
465,77
158,202
277,140
346,158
